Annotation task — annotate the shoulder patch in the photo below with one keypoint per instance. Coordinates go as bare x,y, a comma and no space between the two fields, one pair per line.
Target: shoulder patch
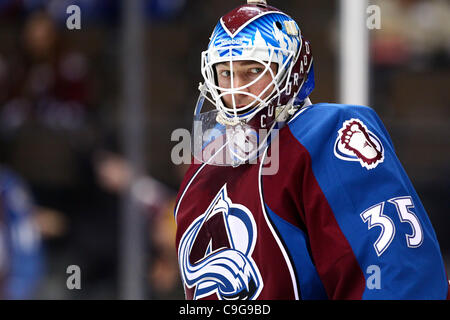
356,143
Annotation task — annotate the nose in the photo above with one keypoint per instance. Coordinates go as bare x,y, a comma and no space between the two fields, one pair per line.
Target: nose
240,98
239,81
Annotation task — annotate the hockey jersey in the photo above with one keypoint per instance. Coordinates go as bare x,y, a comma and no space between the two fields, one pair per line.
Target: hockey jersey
329,213
21,252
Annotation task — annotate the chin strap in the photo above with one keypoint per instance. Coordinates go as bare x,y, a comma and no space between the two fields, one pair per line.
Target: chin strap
223,120
283,113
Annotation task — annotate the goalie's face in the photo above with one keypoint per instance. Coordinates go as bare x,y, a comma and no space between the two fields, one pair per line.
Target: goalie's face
242,81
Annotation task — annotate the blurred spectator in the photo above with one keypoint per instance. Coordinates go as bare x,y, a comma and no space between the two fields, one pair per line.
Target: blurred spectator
414,35
21,252
114,174
44,115
47,131
164,272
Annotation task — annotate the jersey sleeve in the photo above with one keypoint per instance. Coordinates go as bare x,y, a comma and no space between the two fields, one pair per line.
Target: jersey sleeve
369,233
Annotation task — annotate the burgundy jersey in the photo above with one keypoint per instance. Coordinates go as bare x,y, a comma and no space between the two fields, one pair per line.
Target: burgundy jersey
299,223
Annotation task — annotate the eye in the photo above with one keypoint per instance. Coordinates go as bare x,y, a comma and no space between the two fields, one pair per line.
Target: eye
225,73
255,70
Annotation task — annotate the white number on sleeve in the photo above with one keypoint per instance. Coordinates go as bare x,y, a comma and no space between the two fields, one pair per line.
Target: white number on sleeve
375,217
402,204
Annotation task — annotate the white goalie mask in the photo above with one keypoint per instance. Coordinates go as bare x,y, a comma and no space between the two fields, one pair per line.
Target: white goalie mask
234,132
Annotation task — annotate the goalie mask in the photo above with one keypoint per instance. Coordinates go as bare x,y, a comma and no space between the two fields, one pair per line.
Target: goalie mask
240,122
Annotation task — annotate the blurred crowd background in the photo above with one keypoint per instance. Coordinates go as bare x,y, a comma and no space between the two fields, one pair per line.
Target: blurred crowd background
62,166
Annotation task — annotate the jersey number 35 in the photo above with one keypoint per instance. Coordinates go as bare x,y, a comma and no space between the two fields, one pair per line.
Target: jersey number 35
374,217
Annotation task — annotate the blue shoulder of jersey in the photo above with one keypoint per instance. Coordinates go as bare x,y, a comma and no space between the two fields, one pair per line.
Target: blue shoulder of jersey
373,200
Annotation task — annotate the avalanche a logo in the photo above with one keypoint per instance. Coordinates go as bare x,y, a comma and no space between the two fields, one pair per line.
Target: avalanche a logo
356,143
215,252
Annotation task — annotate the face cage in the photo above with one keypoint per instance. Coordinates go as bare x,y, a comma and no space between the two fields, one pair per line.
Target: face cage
216,92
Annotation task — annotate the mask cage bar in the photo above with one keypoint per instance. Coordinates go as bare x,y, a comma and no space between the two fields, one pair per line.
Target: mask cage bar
212,88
